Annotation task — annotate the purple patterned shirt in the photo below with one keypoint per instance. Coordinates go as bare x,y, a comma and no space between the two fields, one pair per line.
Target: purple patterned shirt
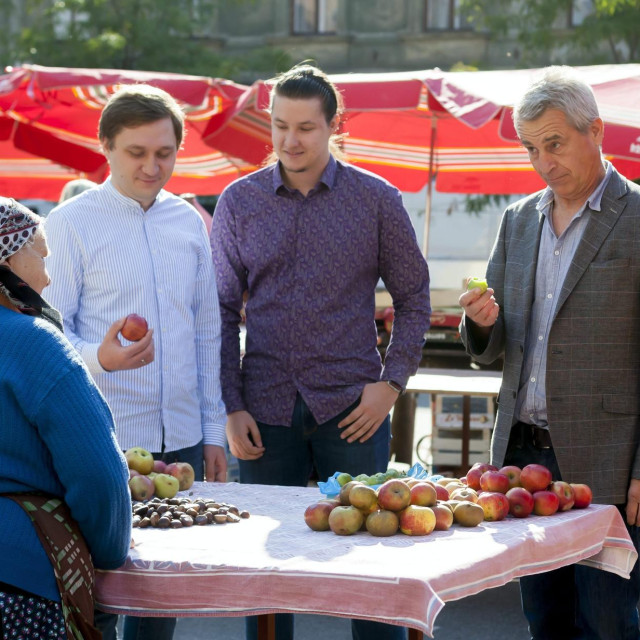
310,266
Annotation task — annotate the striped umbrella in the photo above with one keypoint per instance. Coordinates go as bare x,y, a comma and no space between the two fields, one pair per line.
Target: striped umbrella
454,127
49,122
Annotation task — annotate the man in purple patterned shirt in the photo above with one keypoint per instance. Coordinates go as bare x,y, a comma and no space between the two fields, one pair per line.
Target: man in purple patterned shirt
307,239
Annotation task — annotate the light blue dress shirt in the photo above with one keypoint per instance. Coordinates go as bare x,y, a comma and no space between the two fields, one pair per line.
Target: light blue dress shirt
554,259
110,258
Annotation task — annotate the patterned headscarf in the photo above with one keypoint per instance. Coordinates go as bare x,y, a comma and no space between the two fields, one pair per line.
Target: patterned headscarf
18,225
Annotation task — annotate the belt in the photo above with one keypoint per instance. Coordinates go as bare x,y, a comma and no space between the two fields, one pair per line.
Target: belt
540,438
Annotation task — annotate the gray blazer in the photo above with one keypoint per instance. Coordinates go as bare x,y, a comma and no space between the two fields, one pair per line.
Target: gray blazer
593,365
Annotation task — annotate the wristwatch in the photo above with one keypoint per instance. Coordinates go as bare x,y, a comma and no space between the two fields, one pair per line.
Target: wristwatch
395,386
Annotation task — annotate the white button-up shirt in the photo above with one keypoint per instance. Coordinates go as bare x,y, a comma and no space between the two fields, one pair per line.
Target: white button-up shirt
110,258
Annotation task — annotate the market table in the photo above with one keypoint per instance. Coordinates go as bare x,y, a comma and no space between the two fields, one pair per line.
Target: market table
272,562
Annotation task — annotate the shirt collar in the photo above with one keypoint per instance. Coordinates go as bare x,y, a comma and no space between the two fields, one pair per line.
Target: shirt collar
327,178
593,201
110,188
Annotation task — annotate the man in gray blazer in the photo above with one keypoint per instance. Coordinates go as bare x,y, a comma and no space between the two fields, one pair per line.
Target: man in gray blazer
563,309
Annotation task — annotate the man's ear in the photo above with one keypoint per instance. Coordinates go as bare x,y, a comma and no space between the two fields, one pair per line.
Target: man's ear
104,147
597,130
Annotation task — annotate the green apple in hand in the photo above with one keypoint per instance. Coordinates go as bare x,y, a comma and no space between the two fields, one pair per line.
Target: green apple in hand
477,283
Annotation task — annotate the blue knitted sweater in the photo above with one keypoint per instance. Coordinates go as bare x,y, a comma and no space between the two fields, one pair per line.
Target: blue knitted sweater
56,435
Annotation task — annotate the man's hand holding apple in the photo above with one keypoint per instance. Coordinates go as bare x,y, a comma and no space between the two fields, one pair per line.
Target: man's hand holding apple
375,403
114,356
243,436
480,306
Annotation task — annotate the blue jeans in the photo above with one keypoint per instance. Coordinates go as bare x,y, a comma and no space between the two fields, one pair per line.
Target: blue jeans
143,628
289,458
577,602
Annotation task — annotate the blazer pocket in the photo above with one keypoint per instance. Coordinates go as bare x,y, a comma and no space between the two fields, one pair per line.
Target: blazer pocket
621,403
616,263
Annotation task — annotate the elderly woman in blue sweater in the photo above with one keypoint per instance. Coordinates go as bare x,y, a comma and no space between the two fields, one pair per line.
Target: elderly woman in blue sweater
64,500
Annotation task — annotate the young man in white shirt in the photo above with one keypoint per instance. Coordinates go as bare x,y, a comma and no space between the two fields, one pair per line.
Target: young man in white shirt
128,246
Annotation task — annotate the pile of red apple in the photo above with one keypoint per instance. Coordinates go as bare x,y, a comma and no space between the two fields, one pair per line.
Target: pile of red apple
419,506
409,505
521,492
149,477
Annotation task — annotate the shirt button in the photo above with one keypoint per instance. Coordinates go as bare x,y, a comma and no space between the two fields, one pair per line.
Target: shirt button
533,379
549,295
556,253
540,338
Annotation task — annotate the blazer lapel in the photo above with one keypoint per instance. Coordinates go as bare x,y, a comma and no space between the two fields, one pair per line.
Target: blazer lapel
596,232
530,257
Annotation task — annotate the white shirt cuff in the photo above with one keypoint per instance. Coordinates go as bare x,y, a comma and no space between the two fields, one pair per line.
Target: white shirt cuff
214,434
89,354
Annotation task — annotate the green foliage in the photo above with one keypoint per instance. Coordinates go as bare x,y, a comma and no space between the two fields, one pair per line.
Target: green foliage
610,34
153,35
476,204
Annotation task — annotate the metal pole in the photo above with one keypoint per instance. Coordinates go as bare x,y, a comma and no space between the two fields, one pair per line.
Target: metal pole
427,210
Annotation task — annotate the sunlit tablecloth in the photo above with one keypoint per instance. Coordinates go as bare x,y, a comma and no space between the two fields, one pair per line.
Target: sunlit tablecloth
273,562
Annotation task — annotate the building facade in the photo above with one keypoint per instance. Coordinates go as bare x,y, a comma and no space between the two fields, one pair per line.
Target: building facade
370,35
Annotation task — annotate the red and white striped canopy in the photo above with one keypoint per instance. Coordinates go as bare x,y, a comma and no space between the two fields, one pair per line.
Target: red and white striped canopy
405,127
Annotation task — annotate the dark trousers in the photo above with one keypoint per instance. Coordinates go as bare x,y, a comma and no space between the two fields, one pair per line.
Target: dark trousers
290,454
574,602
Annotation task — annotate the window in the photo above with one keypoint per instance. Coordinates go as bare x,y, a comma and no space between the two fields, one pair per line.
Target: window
314,16
580,9
445,15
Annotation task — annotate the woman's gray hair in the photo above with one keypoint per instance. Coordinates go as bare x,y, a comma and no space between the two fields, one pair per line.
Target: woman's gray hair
562,89
74,187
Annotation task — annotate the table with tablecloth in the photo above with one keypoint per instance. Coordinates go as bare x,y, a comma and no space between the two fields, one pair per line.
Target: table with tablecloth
272,562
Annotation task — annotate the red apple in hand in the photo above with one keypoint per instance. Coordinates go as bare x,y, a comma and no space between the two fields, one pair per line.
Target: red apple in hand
582,495
565,493
535,477
135,327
